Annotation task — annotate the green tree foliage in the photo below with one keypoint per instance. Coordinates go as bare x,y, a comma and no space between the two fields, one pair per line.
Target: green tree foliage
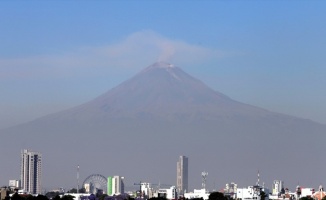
67,197
158,198
29,197
41,197
73,190
306,198
262,195
16,196
217,196
102,197
82,190
51,195
57,197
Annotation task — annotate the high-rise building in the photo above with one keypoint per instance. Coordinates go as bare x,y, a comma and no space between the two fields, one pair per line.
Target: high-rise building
277,187
115,185
109,192
182,175
31,172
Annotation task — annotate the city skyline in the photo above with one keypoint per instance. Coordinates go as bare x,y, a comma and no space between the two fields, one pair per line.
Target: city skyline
31,173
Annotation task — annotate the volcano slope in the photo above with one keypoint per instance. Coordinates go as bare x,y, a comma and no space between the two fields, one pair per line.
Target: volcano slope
139,128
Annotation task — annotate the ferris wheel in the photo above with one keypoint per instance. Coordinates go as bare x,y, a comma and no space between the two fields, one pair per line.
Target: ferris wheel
94,183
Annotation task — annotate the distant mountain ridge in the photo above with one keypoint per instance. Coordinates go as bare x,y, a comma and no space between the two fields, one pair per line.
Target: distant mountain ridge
140,127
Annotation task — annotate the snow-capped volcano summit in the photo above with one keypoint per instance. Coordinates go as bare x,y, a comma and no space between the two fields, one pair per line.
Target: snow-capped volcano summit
161,64
165,92
140,127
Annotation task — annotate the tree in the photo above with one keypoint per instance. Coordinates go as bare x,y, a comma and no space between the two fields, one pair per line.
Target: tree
51,195
29,197
306,198
262,195
57,197
158,198
41,197
282,191
72,190
16,196
82,190
216,196
102,197
67,197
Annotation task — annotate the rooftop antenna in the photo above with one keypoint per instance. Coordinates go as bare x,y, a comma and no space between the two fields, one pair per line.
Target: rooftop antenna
77,178
257,179
204,176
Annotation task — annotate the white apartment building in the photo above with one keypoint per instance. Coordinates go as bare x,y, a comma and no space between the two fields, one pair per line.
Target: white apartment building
277,187
231,189
252,192
182,175
115,185
14,183
31,171
168,193
202,193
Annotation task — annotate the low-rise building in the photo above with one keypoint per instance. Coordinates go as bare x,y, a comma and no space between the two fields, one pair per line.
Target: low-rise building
252,192
201,193
168,193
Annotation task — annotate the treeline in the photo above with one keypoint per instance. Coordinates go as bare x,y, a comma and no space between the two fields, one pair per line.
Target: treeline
16,196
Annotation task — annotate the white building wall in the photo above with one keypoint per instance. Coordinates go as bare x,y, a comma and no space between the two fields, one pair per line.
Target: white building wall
31,173
14,183
182,175
306,192
277,187
202,193
117,185
252,192
169,193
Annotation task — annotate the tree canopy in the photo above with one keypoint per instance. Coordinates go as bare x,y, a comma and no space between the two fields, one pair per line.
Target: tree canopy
217,196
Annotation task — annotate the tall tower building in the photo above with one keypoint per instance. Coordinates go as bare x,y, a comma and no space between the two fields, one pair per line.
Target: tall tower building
115,185
31,172
182,175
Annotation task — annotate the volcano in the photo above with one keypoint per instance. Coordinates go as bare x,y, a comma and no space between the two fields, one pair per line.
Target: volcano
163,92
139,128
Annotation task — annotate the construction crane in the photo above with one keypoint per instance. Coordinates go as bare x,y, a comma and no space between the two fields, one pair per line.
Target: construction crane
160,184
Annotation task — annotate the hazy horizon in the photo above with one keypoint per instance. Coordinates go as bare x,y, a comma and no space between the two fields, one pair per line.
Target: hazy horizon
56,55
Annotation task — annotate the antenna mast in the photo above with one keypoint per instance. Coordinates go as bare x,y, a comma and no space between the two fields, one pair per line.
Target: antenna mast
257,178
78,179
204,176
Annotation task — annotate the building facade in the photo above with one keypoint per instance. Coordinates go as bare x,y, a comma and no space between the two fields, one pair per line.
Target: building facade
31,171
14,184
252,192
197,194
115,185
182,175
277,187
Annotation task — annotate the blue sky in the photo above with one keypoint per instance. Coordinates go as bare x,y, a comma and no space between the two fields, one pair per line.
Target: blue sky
59,54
